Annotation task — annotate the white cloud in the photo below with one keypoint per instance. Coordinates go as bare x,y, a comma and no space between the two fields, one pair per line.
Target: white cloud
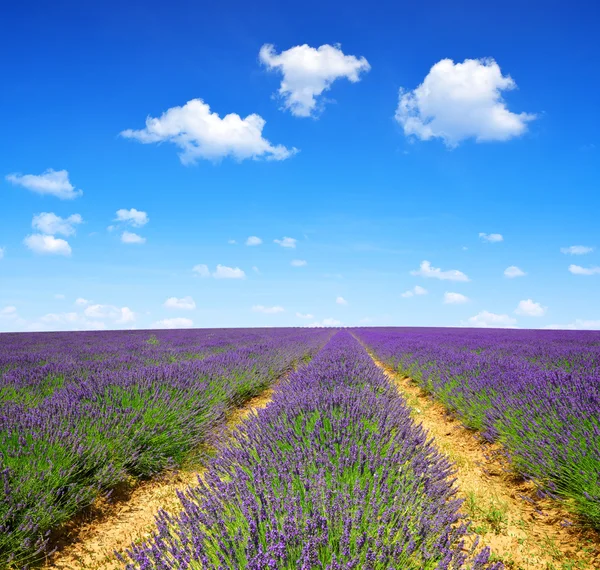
426,270
286,242
51,224
253,240
267,310
8,312
454,298
578,324
201,134
576,250
82,302
485,319
127,316
221,272
175,323
1,252
308,71
52,182
341,301
298,263
130,237
578,270
530,308
43,244
460,101
122,315
416,290
185,303
513,271
492,238
134,217
329,322
68,321
304,316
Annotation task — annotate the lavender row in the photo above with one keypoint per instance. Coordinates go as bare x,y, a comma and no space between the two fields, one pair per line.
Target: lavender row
537,392
332,474
86,411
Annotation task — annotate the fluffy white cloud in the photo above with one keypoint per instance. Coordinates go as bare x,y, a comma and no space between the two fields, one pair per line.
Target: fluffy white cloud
329,322
130,237
121,315
416,290
341,301
576,250
298,263
52,182
286,242
174,323
485,319
267,310
530,308
51,224
305,316
491,238
308,71
201,270
134,217
578,324
43,244
201,134
578,270
454,298
224,272
185,303
82,302
460,101
426,270
513,271
253,240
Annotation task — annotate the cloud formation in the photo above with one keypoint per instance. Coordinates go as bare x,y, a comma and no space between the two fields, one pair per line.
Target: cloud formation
491,238
202,134
576,250
185,303
50,182
454,298
416,290
578,270
298,263
426,270
267,310
253,240
136,218
308,72
51,224
485,319
286,242
221,272
341,301
530,308
174,323
47,245
513,271
461,101
131,237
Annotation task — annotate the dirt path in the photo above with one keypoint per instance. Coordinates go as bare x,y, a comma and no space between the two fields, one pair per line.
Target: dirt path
90,541
523,531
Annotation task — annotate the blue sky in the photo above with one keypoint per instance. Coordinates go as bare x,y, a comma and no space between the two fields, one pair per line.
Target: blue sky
108,221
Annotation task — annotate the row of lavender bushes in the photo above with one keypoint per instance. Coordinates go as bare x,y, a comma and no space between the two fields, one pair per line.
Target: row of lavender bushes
536,392
333,474
82,412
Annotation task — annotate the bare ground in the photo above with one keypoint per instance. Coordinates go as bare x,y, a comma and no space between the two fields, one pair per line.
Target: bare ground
524,531
90,540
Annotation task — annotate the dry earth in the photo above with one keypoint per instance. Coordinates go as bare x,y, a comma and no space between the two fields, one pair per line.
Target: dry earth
524,531
91,539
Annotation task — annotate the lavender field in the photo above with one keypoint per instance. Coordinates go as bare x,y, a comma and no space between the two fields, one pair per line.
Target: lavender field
332,474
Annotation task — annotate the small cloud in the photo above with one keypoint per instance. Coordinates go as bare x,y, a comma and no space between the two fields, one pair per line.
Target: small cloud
485,319
134,217
9,312
201,270
578,324
231,241
529,308
329,322
426,270
576,250
253,240
491,238
51,224
174,323
47,245
286,242
298,263
224,272
308,72
513,271
304,316
82,302
51,182
121,315
341,301
185,303
454,298
130,237
267,310
416,290
578,270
